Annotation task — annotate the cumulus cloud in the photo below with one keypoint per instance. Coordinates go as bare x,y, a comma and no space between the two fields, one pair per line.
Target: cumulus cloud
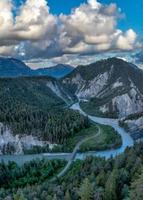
36,33
33,25
126,41
34,22
92,28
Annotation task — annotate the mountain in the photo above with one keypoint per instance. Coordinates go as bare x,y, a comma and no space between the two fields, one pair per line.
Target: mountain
33,92
10,67
107,88
57,71
30,109
110,87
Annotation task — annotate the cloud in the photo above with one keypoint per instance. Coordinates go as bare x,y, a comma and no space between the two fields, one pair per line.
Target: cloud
36,33
33,24
126,41
92,28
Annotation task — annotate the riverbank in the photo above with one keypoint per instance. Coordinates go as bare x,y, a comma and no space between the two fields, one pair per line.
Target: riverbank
127,141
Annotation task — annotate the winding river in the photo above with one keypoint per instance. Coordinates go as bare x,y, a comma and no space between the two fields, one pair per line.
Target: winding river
127,141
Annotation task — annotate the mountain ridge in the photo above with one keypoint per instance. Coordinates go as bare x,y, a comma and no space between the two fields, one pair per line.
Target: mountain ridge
110,86
57,71
11,67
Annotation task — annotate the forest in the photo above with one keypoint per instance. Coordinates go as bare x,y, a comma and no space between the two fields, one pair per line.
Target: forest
29,107
119,178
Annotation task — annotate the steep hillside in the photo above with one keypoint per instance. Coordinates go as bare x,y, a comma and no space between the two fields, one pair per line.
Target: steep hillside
134,124
31,112
112,87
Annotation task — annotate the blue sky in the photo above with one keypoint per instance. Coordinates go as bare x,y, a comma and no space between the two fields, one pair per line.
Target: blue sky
133,11
71,31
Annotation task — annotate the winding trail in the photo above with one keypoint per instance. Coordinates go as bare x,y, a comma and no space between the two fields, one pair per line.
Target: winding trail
73,155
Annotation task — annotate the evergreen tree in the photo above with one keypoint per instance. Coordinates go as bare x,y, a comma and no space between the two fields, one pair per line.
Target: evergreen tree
55,197
19,196
86,190
111,186
137,189
67,195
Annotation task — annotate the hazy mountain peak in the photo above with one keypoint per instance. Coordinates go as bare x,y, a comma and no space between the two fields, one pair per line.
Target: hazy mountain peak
11,67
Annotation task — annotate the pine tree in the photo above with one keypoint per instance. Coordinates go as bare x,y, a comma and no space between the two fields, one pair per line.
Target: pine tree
111,186
19,196
67,195
86,190
55,197
137,189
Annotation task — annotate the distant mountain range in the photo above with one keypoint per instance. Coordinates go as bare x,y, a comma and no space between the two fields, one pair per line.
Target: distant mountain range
57,71
10,67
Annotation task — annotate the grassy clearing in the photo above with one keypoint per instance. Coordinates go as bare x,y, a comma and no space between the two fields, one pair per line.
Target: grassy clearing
108,139
71,143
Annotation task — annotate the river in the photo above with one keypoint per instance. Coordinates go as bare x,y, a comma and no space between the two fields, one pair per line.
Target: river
127,141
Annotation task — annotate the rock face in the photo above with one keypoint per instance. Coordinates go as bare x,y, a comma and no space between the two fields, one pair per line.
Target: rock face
59,91
111,85
16,144
134,124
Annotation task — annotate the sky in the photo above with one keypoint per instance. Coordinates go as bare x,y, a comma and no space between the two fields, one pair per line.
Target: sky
46,32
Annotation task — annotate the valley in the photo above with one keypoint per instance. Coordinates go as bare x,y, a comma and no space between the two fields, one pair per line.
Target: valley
54,175
54,128
32,108
127,141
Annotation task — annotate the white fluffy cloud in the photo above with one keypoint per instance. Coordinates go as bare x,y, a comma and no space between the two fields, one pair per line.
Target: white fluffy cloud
33,24
92,28
36,33
126,41
6,18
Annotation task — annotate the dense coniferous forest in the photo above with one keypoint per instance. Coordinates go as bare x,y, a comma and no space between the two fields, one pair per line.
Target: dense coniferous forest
52,127
92,179
28,106
13,176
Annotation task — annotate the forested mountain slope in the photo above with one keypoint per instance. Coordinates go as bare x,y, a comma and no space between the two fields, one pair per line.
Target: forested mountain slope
35,107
